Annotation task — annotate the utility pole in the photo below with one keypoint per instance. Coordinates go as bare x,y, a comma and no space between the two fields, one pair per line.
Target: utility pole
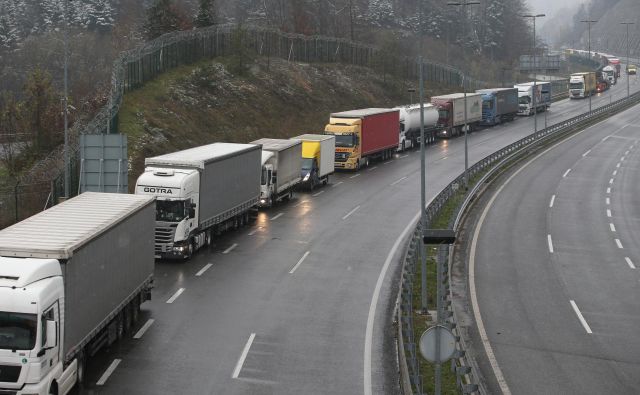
535,79
464,5
627,24
423,173
589,22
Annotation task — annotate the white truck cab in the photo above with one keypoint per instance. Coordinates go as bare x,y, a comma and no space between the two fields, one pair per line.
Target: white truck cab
267,182
176,192
31,296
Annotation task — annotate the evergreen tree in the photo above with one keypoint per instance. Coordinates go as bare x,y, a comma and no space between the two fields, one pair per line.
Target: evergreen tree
9,28
206,15
380,13
100,15
41,110
161,18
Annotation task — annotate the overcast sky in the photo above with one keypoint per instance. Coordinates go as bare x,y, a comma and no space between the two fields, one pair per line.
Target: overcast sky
550,7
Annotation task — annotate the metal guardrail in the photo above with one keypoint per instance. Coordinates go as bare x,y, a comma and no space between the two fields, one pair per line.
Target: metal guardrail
468,378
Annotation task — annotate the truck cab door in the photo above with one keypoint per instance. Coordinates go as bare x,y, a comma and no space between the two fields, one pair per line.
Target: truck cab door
50,341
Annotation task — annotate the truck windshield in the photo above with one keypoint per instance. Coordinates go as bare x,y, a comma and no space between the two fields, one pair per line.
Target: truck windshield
576,85
487,104
307,164
443,114
170,210
524,100
345,140
18,331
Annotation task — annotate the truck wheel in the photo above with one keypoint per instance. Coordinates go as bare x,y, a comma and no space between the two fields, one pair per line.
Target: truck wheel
358,165
325,181
207,238
80,372
190,250
312,184
53,390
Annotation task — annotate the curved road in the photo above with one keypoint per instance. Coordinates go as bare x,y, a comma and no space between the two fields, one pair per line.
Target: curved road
555,267
284,306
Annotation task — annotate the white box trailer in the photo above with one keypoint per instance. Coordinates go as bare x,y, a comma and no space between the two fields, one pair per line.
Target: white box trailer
451,110
72,279
318,158
281,162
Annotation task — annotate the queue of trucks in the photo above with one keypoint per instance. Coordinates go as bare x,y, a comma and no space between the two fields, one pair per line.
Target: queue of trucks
104,245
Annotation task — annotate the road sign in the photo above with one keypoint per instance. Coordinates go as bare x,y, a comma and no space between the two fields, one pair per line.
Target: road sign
428,344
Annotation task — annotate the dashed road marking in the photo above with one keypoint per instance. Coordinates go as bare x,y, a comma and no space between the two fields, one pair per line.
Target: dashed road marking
355,175
553,199
234,245
608,213
631,265
580,317
204,269
306,254
612,227
586,153
243,356
107,373
550,242
619,244
175,296
144,328
398,181
319,193
337,183
277,216
566,173
351,212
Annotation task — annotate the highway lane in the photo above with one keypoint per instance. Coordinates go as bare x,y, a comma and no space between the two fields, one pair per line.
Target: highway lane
302,331
554,270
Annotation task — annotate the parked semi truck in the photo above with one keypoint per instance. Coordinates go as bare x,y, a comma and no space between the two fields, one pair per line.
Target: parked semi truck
72,279
363,135
200,192
526,92
582,85
318,159
451,118
498,105
410,125
281,162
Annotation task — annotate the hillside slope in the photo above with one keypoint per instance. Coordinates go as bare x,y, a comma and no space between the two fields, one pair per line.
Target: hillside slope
205,103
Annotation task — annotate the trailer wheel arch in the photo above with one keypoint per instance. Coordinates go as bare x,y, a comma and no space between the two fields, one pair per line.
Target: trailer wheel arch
53,388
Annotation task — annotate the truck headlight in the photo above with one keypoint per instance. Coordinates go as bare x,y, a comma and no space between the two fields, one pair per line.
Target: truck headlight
306,178
262,201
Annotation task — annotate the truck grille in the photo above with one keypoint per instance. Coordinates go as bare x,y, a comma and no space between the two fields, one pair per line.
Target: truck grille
342,156
164,236
9,373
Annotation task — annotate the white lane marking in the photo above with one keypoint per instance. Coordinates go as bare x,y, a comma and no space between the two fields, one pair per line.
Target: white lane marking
615,172
403,156
626,152
234,245
631,265
276,216
611,181
586,153
306,254
618,165
550,242
338,183
351,212
319,193
472,285
253,232
175,296
204,269
566,173
243,356
553,199
387,162
608,213
368,337
398,181
605,139
144,328
612,227
619,244
580,317
355,175
622,159
608,201
609,190
301,203
107,373
373,168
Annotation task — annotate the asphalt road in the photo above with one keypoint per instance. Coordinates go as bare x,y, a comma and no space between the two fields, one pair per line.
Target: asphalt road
283,306
555,268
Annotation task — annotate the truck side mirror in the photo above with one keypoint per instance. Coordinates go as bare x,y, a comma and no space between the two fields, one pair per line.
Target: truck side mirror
274,179
52,334
192,212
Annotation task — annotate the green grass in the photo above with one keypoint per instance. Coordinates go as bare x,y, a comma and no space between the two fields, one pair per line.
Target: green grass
441,221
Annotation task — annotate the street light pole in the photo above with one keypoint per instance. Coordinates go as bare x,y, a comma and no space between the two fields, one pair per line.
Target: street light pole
464,5
627,24
66,103
589,22
535,78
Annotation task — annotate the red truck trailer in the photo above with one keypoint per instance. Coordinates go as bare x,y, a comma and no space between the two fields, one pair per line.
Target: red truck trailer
362,135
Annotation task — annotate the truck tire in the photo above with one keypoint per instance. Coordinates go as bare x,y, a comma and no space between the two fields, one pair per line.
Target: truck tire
53,390
357,165
325,181
81,370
